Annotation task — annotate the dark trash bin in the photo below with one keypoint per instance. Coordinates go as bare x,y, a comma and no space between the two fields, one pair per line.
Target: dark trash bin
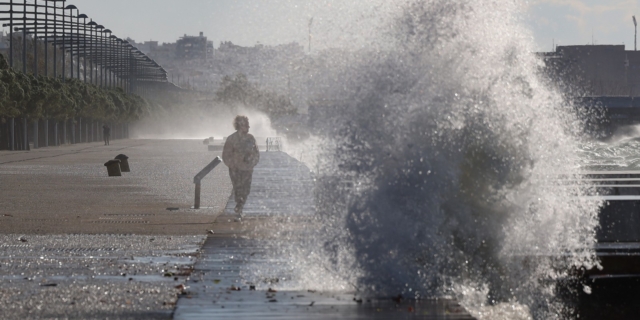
124,162
113,168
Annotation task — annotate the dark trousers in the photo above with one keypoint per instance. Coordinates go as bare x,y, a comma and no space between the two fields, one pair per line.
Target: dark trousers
241,181
106,139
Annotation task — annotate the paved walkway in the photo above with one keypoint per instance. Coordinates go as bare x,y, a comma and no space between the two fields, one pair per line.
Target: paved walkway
282,188
63,190
77,244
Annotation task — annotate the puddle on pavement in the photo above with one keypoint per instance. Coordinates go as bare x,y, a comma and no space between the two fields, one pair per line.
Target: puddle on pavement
165,260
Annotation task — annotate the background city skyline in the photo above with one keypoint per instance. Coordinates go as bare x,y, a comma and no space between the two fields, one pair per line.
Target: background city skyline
248,22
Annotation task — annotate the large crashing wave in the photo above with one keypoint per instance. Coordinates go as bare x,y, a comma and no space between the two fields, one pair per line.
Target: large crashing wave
441,178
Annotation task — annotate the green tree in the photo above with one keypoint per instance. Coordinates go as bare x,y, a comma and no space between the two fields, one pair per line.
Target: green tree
239,90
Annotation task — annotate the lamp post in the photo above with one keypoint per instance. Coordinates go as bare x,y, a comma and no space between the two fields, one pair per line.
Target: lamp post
24,70
35,38
55,39
125,65
46,38
24,37
78,47
100,53
111,60
11,34
84,45
116,56
635,36
133,77
92,41
70,8
105,57
129,57
120,63
310,23
64,52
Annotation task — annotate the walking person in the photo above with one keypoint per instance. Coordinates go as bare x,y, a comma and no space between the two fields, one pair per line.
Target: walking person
241,155
106,132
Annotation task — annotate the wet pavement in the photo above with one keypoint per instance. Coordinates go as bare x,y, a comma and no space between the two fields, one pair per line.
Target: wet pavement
77,244
93,276
221,286
218,289
66,189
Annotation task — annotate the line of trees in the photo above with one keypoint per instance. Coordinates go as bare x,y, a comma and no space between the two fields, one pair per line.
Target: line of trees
25,95
238,90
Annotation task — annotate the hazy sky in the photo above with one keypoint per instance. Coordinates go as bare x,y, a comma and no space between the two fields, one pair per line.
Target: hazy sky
578,22
247,22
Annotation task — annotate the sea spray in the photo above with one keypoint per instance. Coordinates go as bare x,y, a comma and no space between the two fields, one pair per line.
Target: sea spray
441,177
200,121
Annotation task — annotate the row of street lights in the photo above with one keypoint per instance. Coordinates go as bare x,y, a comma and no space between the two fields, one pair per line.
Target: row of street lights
109,60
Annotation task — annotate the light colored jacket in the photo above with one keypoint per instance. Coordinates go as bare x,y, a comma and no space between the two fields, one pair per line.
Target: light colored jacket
240,152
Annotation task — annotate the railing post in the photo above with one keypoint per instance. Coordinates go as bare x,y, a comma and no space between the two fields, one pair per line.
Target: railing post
55,134
196,204
25,134
35,134
199,178
73,131
46,132
12,134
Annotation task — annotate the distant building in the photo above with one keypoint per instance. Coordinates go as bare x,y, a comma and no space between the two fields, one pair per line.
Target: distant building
148,46
192,62
192,47
229,48
596,70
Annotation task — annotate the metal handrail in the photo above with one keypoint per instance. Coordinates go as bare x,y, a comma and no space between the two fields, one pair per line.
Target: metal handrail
274,144
203,173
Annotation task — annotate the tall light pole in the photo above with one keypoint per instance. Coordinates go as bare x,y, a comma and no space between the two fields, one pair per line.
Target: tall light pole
113,64
24,37
35,38
11,34
46,38
55,40
101,54
127,67
635,37
105,61
92,52
64,52
310,23
78,43
84,45
70,8
120,45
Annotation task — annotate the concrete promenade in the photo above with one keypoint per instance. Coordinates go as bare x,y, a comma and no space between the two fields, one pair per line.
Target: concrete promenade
66,189
282,189
77,244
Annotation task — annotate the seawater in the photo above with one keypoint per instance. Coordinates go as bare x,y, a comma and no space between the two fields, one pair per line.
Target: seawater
440,178
620,152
